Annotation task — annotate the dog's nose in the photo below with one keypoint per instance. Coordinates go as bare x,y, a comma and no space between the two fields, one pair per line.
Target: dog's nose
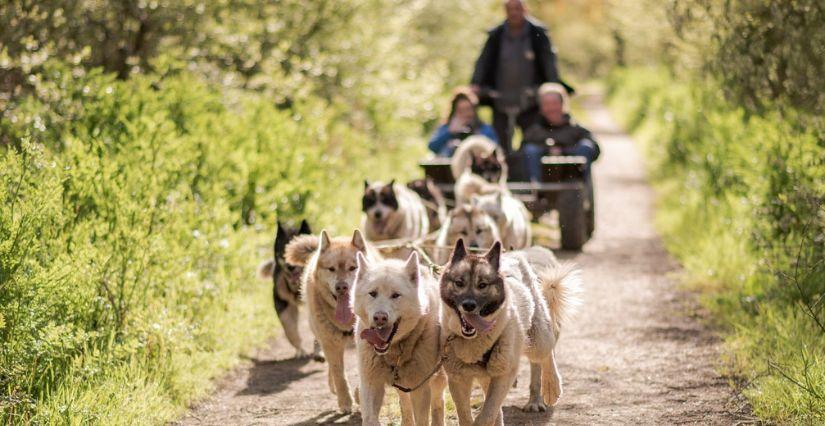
379,319
474,245
378,214
341,287
469,305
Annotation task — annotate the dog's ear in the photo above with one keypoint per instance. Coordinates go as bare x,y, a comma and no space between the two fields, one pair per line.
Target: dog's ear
362,263
494,255
458,252
391,186
281,239
304,227
358,240
366,184
300,249
411,267
325,243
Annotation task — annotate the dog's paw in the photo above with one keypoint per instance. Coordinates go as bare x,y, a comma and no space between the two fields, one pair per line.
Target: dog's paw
318,357
534,407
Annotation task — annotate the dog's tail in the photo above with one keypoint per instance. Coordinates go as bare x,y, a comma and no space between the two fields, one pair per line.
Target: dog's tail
473,145
300,249
561,285
266,269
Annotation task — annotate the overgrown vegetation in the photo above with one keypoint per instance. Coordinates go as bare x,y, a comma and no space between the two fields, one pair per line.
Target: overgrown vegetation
728,98
741,205
141,175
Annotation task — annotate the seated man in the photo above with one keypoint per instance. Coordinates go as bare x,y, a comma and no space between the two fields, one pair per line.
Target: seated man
462,122
556,133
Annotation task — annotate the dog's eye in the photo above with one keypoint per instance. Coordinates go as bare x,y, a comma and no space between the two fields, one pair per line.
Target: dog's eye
482,285
331,269
395,295
463,232
373,293
478,231
458,283
352,268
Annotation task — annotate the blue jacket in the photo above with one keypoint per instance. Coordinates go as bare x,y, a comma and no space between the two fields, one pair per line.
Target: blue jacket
442,136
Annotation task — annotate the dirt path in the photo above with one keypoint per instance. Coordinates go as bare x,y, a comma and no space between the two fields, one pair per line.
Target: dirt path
634,354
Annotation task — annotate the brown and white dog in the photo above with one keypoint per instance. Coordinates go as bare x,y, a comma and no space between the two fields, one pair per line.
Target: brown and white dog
392,211
479,167
498,307
286,287
469,222
398,310
482,157
329,274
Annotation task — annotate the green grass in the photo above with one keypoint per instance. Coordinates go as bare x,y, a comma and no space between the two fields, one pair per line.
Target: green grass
740,205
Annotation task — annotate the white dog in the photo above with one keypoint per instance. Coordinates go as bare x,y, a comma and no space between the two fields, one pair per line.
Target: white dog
398,311
511,216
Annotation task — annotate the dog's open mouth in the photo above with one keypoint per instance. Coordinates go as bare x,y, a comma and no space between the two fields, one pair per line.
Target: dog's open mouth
471,324
380,338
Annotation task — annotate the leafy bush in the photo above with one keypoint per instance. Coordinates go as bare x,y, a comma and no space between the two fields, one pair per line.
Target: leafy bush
743,208
133,215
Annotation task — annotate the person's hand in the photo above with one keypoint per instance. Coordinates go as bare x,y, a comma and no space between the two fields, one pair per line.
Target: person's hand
457,126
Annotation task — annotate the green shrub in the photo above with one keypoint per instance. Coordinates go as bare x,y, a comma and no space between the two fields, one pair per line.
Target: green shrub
742,206
132,217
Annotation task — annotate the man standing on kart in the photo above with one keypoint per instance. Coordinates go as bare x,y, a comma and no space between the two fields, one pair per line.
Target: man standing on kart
517,58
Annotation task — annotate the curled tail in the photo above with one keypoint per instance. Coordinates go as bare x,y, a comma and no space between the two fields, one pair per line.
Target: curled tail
463,156
561,286
265,269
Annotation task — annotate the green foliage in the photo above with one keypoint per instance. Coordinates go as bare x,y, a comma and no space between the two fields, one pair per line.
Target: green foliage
763,52
743,208
130,222
373,56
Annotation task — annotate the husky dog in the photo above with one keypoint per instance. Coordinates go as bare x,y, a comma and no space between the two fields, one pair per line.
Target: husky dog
470,223
498,307
329,273
433,200
511,216
286,289
393,211
484,158
398,310
470,184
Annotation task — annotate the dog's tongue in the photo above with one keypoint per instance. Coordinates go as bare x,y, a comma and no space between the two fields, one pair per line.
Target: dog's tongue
343,314
376,337
478,322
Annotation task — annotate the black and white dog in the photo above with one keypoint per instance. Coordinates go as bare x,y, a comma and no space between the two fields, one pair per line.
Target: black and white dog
286,288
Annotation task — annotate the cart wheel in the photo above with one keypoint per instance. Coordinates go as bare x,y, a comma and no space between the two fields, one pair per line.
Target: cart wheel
591,211
572,220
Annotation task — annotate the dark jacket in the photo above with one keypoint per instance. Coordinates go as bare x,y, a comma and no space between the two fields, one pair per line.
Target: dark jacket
545,62
566,136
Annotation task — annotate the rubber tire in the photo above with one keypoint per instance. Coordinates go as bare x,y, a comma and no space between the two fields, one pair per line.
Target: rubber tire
572,220
591,212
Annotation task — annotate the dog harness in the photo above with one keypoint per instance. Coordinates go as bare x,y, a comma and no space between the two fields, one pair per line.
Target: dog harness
441,357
